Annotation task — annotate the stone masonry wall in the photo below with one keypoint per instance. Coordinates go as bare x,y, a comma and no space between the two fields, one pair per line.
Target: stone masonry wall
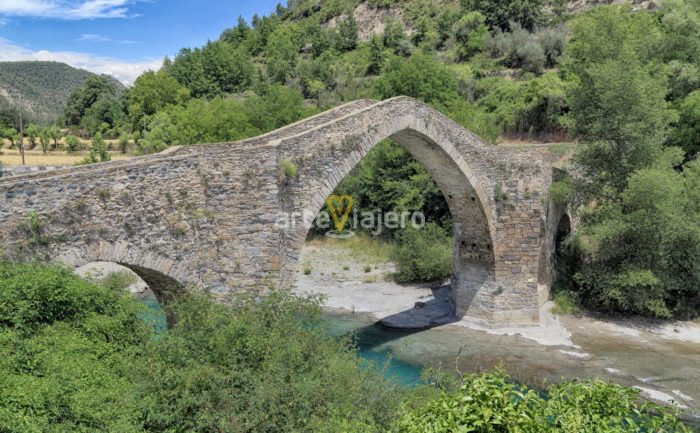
207,216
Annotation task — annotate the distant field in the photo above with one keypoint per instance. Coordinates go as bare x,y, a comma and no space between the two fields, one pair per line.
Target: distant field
12,158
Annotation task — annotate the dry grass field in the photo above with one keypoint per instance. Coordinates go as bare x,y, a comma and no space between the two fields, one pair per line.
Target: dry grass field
12,158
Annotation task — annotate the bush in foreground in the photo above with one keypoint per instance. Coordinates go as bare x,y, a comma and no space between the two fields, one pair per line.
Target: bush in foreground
78,357
492,403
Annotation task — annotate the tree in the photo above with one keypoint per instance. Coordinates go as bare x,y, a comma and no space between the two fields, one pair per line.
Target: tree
420,77
376,56
618,100
687,132
54,133
236,35
44,139
500,13
470,34
152,92
123,142
99,148
106,113
229,69
394,34
32,132
84,97
11,134
347,35
72,143
282,54
641,254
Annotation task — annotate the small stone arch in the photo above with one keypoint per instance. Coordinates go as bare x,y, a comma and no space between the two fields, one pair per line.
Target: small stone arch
163,276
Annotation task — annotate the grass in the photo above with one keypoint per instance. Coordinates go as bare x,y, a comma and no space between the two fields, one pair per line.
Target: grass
368,269
36,158
566,302
362,248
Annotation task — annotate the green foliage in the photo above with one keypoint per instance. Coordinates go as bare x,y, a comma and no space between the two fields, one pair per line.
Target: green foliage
45,140
94,103
32,132
76,356
501,13
282,55
79,357
44,86
120,280
423,254
347,35
376,56
566,302
491,403
687,132
394,34
289,169
54,133
99,148
561,192
153,91
123,142
420,77
72,143
33,229
389,178
470,34
618,101
640,253
220,119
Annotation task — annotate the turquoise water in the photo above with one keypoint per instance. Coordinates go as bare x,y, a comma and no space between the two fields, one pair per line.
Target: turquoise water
372,344
154,314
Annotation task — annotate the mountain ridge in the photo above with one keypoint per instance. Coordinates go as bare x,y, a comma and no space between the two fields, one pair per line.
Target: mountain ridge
44,88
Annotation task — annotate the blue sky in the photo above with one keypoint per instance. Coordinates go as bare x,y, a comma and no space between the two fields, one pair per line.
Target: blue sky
118,37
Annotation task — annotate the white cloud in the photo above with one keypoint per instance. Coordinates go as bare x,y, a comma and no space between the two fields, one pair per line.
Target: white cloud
67,9
126,72
93,37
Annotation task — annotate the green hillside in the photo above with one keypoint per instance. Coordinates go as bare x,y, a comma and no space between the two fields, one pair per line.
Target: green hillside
44,86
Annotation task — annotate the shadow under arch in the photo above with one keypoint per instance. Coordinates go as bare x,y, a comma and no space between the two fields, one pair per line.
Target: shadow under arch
160,274
474,253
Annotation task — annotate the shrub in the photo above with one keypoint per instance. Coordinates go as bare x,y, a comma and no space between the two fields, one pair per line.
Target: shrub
118,280
77,357
289,169
259,365
493,403
72,143
566,302
423,254
34,295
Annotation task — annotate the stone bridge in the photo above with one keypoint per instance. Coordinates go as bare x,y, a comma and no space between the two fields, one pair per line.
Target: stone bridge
208,216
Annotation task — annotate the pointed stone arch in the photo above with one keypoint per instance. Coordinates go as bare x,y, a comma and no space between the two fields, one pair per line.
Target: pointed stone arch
458,161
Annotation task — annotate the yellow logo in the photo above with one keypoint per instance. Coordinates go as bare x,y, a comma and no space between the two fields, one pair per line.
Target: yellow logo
339,207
